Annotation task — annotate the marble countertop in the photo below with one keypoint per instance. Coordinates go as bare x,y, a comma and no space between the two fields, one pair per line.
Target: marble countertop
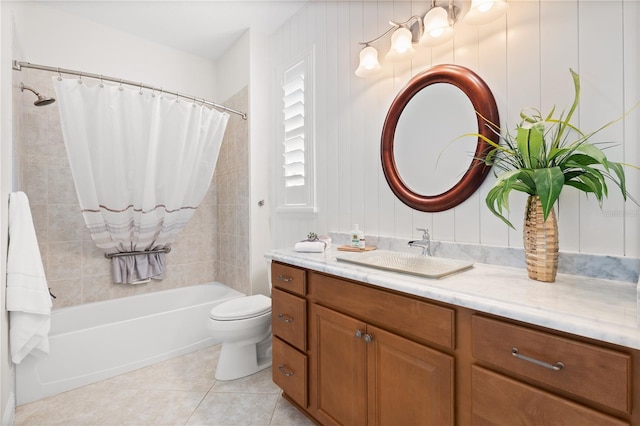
590,307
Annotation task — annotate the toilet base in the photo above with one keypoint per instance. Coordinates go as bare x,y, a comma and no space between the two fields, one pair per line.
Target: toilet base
240,360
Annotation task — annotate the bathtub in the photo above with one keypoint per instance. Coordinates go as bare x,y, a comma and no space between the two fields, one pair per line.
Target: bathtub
96,341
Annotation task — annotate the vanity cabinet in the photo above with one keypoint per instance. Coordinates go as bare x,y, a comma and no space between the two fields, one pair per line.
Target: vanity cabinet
367,367
289,328
366,375
350,353
542,378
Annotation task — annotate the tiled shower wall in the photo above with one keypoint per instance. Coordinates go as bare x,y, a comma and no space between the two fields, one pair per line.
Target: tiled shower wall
213,246
231,199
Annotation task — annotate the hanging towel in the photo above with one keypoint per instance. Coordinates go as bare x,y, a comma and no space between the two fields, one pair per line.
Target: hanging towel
28,297
138,268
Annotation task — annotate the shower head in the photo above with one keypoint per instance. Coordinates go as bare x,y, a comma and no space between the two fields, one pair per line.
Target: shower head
42,100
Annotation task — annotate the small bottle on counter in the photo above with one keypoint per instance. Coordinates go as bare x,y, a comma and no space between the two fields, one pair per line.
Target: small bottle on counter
361,244
357,237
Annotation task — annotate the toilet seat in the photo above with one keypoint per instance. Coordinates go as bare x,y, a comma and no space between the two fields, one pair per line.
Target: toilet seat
241,308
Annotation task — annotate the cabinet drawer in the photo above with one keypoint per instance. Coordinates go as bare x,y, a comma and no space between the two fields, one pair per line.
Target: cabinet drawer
403,315
498,400
289,318
289,371
288,278
591,372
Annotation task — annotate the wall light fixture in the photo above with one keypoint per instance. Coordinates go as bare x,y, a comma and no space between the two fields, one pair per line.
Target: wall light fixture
435,28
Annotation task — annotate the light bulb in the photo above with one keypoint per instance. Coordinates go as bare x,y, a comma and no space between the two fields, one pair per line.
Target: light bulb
401,46
484,6
369,64
437,29
484,11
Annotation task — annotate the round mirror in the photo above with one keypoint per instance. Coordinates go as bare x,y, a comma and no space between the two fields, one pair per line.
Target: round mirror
425,168
439,113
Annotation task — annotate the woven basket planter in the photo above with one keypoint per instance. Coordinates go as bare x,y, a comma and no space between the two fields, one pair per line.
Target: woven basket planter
540,242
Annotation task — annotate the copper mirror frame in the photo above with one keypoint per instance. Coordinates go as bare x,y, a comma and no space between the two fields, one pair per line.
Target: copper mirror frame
484,105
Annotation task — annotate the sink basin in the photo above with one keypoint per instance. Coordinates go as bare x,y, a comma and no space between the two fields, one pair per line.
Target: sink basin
423,266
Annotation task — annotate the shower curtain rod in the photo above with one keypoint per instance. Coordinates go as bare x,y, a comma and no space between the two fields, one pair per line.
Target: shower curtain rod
17,65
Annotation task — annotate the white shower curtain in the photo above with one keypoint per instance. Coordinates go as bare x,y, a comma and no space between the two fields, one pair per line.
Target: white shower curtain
141,162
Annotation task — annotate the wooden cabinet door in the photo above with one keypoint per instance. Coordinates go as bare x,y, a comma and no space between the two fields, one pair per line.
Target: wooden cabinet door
340,367
408,383
499,400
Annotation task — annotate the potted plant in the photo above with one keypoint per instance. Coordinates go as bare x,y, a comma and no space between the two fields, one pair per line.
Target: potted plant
546,154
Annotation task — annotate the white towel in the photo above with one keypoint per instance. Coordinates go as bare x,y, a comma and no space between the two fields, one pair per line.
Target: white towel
315,246
28,298
309,246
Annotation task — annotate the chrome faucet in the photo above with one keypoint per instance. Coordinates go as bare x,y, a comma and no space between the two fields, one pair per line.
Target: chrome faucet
425,242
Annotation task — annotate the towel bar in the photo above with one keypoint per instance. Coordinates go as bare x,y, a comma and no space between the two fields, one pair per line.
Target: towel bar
133,253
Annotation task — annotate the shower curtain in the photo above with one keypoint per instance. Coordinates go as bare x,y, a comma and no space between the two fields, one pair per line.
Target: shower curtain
141,163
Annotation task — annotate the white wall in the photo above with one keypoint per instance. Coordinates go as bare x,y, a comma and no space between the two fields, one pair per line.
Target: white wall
259,130
7,400
232,69
524,57
55,38
246,63
5,187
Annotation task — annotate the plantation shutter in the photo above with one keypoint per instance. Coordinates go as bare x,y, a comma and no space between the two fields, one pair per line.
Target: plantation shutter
294,126
296,190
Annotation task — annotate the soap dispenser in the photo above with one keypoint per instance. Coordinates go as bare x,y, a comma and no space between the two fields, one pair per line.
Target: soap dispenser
357,237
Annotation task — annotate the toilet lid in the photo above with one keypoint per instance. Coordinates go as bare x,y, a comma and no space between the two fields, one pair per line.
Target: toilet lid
241,308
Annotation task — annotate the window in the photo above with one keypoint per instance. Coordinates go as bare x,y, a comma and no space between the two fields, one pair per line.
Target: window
296,183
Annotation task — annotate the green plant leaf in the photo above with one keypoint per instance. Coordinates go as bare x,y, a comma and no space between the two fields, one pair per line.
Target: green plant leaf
579,160
595,180
597,176
496,200
579,185
576,101
530,143
526,177
556,153
588,183
619,171
592,151
490,157
549,183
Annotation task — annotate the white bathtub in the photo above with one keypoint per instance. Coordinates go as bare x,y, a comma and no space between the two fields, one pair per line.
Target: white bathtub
95,341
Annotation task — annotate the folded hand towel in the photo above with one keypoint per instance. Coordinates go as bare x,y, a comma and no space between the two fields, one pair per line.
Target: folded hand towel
317,245
310,246
28,299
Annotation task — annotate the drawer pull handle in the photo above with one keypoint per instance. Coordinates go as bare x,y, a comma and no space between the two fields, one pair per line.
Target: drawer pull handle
285,371
284,278
285,318
555,367
368,338
358,334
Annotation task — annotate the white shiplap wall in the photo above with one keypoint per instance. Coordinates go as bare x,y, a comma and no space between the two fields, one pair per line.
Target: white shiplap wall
524,57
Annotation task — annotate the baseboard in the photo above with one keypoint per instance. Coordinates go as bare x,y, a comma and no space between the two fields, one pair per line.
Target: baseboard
9,411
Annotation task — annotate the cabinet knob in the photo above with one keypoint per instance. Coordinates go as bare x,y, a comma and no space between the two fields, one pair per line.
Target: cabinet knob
555,367
358,334
368,338
285,318
285,371
284,278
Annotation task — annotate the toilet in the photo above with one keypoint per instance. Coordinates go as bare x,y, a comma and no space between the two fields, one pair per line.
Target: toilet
243,325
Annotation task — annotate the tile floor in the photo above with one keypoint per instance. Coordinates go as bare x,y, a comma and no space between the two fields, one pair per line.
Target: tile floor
180,391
